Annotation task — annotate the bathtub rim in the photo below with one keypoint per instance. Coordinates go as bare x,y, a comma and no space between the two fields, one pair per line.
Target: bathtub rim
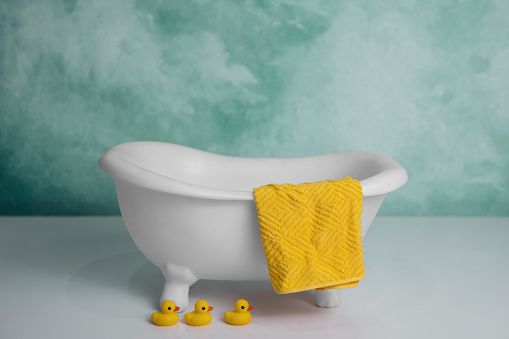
114,163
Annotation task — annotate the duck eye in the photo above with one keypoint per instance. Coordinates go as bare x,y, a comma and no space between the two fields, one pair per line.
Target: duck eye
203,308
243,307
169,308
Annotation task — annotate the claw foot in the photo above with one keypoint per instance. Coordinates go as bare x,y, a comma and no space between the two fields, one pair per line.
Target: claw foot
328,298
178,279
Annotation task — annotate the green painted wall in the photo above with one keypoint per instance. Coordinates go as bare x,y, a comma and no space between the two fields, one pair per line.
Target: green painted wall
425,82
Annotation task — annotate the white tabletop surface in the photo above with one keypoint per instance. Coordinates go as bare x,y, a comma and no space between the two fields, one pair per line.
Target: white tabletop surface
83,277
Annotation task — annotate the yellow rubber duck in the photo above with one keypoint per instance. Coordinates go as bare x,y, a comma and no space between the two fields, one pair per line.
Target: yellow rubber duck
201,315
167,316
241,315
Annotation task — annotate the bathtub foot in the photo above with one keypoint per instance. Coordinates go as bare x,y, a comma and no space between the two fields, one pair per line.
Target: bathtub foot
178,279
328,298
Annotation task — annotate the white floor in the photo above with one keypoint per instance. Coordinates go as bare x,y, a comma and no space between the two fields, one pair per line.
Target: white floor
425,278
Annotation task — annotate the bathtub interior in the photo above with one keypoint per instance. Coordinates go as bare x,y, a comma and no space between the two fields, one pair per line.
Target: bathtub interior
210,170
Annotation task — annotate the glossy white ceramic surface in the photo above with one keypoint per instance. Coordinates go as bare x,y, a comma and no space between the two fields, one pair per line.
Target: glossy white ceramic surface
192,213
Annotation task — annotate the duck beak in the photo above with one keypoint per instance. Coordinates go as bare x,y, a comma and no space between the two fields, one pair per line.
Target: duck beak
250,308
211,308
177,308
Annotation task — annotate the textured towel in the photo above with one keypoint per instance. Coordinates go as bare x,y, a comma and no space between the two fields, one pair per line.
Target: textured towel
311,234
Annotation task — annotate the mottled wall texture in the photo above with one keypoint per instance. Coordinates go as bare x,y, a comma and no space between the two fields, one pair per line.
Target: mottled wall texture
425,82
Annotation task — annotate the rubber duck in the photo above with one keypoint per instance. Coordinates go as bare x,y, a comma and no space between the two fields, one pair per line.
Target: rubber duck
241,315
201,315
167,316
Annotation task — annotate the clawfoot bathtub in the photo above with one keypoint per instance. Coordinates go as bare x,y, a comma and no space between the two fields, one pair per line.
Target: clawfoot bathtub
192,213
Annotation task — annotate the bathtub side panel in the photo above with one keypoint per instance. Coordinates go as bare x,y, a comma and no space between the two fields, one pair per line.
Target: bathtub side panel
370,207
216,239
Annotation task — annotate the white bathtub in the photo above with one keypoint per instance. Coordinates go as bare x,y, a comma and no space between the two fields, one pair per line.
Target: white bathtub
192,213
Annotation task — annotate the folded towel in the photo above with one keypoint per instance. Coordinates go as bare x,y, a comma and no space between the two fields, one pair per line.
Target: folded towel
311,234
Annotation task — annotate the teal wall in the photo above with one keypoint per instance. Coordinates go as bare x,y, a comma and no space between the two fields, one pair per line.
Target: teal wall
425,82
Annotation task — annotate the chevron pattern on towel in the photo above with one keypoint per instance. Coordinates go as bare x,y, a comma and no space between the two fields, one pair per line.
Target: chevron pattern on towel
311,234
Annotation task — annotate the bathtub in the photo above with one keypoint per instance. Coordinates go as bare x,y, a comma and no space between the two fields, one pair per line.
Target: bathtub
192,213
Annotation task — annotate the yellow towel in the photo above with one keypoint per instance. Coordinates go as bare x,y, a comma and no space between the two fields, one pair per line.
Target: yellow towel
311,234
